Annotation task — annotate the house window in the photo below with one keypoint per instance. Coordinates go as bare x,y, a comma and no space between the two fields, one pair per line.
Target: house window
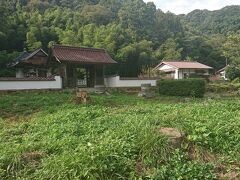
185,75
200,71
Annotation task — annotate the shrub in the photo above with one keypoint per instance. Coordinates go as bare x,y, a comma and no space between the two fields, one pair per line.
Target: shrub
198,76
6,58
183,87
236,80
223,87
233,72
180,167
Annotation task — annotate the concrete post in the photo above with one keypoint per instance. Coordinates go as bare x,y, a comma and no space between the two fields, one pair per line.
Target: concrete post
176,74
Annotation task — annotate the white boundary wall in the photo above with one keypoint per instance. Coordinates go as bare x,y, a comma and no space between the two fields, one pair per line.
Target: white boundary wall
116,81
31,84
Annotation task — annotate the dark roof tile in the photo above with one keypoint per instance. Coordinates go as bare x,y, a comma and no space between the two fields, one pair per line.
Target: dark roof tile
25,56
81,55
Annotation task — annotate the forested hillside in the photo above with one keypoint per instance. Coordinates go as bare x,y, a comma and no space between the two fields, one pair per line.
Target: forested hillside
135,33
213,22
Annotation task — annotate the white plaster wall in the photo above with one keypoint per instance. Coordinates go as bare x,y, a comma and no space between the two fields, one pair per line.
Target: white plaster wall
177,74
19,73
223,75
165,67
115,81
25,85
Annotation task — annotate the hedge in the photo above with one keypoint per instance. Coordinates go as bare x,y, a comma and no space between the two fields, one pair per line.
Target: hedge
223,87
182,87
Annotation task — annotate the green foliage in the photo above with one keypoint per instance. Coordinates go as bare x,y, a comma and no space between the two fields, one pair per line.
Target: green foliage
206,50
215,22
168,25
169,50
231,48
135,58
97,14
233,71
5,59
223,87
118,26
182,87
180,167
236,80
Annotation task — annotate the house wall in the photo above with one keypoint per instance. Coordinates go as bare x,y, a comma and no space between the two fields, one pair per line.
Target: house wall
223,75
170,71
16,84
116,81
165,67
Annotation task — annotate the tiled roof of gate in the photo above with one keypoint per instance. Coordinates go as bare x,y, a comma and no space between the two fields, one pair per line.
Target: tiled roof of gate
81,55
185,65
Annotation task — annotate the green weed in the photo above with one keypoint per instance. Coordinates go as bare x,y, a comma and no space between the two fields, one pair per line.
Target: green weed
113,137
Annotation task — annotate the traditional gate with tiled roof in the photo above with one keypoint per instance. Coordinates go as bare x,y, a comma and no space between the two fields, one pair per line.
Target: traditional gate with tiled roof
81,66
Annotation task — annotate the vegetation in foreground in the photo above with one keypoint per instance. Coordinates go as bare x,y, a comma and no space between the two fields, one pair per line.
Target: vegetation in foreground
48,136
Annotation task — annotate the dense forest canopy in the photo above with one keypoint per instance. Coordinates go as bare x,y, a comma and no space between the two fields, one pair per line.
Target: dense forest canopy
135,33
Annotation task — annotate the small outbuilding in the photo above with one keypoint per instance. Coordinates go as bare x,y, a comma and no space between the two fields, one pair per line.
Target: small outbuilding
182,69
31,64
222,73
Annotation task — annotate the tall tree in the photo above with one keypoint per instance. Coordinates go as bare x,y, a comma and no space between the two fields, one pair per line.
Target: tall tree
231,48
170,50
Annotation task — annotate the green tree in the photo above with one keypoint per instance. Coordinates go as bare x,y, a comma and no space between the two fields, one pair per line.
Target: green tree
134,58
97,14
5,59
169,50
32,42
231,48
233,71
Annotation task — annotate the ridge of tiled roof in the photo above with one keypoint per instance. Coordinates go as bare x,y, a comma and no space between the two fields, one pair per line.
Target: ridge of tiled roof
35,52
22,56
224,68
79,47
81,55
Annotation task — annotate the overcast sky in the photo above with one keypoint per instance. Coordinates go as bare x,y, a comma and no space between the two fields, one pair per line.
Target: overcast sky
186,6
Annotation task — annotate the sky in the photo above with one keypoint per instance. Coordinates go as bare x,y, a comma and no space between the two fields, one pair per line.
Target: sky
186,6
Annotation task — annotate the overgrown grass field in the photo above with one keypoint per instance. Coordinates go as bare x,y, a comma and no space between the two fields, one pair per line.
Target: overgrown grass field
47,136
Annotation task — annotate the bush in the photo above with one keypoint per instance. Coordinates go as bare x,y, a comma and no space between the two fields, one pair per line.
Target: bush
5,58
199,76
181,167
236,80
182,87
223,87
233,72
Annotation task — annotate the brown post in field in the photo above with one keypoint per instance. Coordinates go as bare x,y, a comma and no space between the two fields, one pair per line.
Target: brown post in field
82,97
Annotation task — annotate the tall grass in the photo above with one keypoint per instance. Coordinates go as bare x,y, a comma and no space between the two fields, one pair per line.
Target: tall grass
114,137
